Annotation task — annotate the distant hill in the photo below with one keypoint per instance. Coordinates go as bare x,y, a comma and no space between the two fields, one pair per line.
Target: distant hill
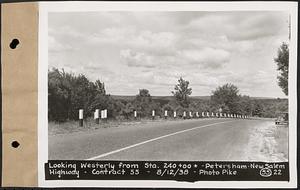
200,97
267,98
120,97
168,98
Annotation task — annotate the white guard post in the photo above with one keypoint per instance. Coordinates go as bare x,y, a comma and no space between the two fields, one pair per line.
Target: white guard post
174,114
191,115
81,117
105,114
96,116
135,114
153,114
184,115
166,114
102,114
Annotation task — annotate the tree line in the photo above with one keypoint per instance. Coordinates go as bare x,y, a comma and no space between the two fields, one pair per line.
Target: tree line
67,93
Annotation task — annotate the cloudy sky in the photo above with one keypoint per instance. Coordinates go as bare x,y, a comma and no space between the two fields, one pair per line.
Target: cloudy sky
133,50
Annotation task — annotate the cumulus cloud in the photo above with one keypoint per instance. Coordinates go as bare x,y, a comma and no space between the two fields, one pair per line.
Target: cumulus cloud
148,60
206,57
55,46
241,25
203,58
155,40
160,43
137,59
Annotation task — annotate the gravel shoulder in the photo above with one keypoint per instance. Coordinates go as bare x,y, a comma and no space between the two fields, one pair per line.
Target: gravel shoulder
268,142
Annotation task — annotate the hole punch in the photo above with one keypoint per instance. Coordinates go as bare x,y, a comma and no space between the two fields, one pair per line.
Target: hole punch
14,43
15,144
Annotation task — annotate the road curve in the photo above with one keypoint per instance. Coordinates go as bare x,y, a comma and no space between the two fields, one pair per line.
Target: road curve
189,140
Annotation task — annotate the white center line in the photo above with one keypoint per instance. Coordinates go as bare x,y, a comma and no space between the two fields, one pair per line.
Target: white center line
151,140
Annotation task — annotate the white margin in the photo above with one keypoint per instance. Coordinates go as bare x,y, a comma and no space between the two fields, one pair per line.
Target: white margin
45,7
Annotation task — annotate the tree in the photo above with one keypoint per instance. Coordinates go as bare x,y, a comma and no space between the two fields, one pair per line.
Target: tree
143,102
245,105
67,93
144,93
100,88
181,92
258,109
282,61
59,92
82,95
127,110
226,97
200,106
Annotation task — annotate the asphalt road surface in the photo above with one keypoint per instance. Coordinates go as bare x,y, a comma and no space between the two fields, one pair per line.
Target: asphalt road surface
189,140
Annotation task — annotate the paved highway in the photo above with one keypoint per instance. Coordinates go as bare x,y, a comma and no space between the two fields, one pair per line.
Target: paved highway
189,140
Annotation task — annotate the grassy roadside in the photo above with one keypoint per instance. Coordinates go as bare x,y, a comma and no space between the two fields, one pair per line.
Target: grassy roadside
268,142
89,124
281,138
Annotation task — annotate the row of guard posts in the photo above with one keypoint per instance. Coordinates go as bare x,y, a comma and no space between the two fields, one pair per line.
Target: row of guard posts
103,116
185,115
189,114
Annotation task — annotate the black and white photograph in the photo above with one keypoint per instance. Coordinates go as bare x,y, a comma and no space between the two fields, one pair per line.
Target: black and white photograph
170,86
156,74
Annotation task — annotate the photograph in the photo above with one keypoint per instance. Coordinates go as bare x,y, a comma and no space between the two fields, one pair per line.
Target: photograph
167,94
169,85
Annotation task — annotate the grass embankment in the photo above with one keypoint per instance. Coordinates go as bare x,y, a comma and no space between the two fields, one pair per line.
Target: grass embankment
89,124
269,142
281,137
